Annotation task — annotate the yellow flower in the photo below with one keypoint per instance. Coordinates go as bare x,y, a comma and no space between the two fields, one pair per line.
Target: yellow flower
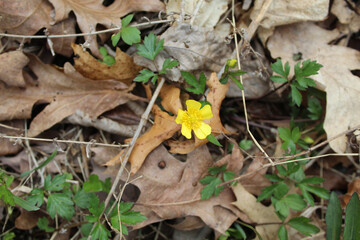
231,62
192,119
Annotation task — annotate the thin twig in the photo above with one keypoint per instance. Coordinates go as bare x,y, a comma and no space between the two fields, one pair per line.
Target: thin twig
63,141
242,90
82,34
143,120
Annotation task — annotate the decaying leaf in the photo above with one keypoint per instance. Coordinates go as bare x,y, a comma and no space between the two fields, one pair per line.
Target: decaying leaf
63,45
346,15
164,127
205,13
27,220
215,97
341,86
124,68
170,189
89,13
257,212
11,68
64,92
353,187
14,128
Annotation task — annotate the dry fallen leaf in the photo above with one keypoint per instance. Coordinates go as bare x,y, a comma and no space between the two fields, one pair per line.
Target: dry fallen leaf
341,86
164,127
170,189
11,68
353,187
63,45
257,212
8,146
27,220
65,93
124,68
215,97
89,13
346,15
205,13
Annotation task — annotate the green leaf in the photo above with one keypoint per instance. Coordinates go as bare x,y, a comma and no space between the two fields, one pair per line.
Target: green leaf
211,138
237,73
144,76
314,108
43,224
93,184
295,134
274,178
115,38
116,224
278,79
302,225
267,192
277,67
216,170
282,233
313,180
126,20
132,217
281,190
25,204
308,197
352,218
245,144
61,204
318,191
333,218
236,81
37,197
284,134
154,78
98,209
308,68
9,236
168,64
198,86
294,201
82,199
295,95
130,35
207,180
282,170
109,60
228,176
281,208
103,51
6,195
86,229
43,164
151,47
210,189
125,206
55,184
100,232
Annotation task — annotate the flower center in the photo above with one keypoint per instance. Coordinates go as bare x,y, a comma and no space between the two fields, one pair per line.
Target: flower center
193,119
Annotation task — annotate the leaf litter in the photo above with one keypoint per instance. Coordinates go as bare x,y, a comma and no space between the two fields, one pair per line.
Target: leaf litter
87,99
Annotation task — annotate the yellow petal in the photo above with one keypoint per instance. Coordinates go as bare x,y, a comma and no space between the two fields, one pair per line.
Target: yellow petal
180,116
186,131
206,112
203,131
193,105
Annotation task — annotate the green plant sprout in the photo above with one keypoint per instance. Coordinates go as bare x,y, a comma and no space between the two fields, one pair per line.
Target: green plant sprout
129,35
231,63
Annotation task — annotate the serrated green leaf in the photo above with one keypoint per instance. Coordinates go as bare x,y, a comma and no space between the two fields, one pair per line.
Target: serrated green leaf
56,184
281,190
295,134
126,20
93,184
125,206
6,195
318,191
97,210
282,208
267,192
43,164
211,138
295,95
100,232
302,225
198,86
308,197
36,197
207,180
278,79
25,204
352,218
224,79
210,189
144,76
168,64
151,47
59,203
245,144
314,108
218,190
43,224
154,78
282,233
284,134
277,67
282,170
118,225
82,199
214,170
294,201
313,180
333,218
228,176
130,35
9,236
108,60
132,217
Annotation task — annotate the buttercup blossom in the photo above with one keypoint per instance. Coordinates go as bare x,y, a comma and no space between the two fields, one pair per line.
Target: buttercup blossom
192,119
